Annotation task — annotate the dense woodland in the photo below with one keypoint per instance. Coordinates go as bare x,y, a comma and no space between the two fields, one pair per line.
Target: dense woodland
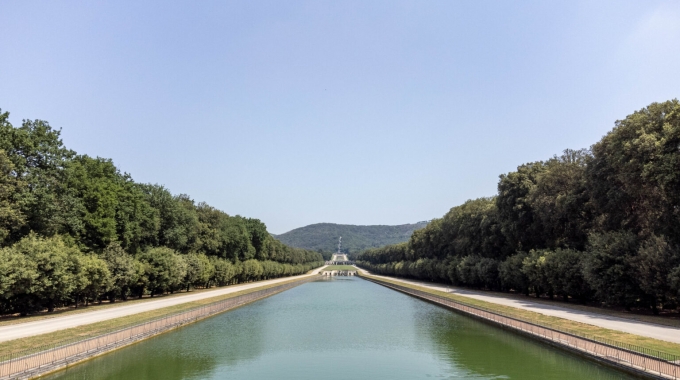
594,225
74,230
323,237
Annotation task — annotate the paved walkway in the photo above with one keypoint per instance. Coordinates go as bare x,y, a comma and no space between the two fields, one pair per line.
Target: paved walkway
44,326
666,333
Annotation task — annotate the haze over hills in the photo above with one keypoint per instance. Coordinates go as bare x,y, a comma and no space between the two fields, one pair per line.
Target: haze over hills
323,237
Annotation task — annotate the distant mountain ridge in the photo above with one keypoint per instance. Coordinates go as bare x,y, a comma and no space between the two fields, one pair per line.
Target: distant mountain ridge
323,237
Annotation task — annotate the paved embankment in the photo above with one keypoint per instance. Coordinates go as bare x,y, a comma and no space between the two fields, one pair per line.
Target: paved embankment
650,330
44,326
61,355
654,365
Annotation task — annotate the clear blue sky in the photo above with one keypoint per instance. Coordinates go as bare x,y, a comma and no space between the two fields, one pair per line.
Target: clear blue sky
356,112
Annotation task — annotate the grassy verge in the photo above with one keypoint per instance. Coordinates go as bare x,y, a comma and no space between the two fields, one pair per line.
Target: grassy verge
38,342
12,320
549,321
666,320
339,267
70,310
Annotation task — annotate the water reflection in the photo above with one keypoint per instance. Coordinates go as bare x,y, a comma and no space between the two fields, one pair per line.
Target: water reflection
491,352
191,352
338,328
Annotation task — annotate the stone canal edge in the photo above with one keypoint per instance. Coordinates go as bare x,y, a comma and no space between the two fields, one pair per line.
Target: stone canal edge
62,356
635,363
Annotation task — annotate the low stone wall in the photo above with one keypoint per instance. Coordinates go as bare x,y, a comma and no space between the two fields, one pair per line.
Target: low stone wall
640,364
338,273
40,363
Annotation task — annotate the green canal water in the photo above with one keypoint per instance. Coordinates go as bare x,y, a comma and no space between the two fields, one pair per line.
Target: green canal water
339,328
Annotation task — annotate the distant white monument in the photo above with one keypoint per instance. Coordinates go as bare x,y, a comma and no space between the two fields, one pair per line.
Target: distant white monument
339,258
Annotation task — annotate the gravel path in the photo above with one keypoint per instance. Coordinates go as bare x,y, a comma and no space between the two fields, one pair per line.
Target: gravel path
661,332
44,326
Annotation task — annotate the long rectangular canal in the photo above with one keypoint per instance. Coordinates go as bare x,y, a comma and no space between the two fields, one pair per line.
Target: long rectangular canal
339,328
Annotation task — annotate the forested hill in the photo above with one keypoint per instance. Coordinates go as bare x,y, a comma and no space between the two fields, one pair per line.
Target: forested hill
599,224
323,237
73,228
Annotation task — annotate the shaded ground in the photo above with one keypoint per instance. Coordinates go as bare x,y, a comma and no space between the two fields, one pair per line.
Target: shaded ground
48,325
628,325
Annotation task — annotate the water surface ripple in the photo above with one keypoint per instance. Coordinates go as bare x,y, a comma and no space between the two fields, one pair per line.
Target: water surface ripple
339,328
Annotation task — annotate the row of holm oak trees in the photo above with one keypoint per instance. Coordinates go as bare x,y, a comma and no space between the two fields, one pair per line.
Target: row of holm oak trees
74,229
593,225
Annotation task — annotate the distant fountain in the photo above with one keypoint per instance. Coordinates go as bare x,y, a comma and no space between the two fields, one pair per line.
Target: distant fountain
339,258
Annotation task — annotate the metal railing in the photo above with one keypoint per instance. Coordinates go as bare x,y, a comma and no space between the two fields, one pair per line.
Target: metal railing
639,359
27,364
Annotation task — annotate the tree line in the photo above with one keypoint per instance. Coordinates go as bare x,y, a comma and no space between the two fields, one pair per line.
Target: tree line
74,230
594,225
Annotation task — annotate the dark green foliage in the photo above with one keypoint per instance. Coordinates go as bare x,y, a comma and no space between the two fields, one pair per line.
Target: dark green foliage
50,273
111,206
124,269
74,229
564,270
511,274
12,218
655,262
610,267
634,176
224,273
164,269
323,237
259,237
93,278
38,158
560,201
199,270
18,275
600,224
477,218
515,208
